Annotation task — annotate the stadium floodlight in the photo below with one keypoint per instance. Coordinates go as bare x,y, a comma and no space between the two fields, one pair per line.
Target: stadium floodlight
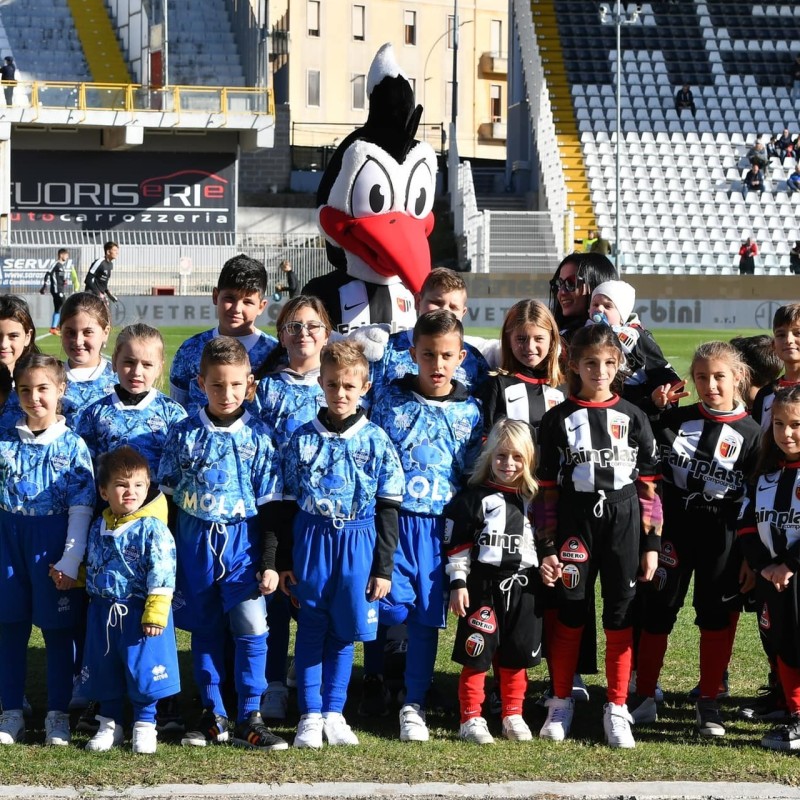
619,18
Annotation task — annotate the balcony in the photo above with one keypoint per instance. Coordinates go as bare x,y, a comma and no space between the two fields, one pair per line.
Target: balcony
492,132
493,64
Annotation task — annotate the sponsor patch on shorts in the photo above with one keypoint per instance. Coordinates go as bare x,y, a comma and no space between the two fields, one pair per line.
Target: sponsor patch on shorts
483,620
573,550
570,576
764,621
668,555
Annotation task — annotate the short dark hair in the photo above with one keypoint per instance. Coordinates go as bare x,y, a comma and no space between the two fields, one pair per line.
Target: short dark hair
438,323
786,315
124,461
758,352
244,274
108,245
62,251
223,350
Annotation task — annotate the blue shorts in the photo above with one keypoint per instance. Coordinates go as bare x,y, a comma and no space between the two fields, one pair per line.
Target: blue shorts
332,566
216,569
28,546
143,668
418,580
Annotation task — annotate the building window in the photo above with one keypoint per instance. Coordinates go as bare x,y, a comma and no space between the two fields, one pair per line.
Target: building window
312,88
410,18
497,102
359,91
497,43
312,9
359,27
451,42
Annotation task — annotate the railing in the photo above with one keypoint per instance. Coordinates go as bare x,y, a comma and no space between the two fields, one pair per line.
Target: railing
131,97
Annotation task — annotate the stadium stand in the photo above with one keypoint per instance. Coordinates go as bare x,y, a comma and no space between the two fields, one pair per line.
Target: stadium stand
682,207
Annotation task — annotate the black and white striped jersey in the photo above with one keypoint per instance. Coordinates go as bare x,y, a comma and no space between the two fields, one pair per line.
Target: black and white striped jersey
487,524
521,395
705,457
593,447
762,405
769,522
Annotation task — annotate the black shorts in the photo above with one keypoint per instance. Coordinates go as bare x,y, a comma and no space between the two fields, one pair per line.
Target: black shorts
778,618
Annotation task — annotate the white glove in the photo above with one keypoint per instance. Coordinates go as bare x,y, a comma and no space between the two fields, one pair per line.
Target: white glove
372,339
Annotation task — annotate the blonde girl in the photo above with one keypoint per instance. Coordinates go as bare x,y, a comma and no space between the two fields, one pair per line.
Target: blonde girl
491,559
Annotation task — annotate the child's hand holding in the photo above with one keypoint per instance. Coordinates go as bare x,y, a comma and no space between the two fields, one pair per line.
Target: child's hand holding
747,578
648,565
285,580
550,570
378,588
62,581
268,581
459,602
152,630
778,575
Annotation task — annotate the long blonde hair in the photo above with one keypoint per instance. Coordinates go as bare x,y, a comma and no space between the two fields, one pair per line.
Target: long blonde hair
516,435
727,353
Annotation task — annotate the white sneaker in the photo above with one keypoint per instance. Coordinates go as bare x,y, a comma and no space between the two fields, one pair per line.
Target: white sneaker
617,726
108,735
79,700
12,727
144,738
646,712
476,730
275,701
56,729
559,719
516,729
412,724
309,731
336,729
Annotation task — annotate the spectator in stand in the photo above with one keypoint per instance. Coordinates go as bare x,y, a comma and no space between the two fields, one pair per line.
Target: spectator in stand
793,181
794,258
684,99
794,82
773,151
757,154
596,244
753,181
8,75
747,257
785,145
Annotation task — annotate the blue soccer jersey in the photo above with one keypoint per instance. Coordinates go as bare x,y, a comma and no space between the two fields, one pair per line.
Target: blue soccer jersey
438,442
397,363
131,556
287,400
109,423
84,386
183,385
46,474
340,475
220,474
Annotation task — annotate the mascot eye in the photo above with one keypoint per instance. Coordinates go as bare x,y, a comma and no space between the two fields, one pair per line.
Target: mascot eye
372,191
419,195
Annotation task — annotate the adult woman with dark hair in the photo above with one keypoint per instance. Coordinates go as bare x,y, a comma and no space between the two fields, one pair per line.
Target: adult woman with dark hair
571,287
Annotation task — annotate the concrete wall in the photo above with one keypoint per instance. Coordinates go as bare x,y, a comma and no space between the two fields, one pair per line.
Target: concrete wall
268,171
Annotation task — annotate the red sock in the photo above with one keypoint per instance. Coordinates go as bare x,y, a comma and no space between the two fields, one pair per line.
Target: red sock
714,657
513,683
790,681
652,648
566,643
619,659
471,692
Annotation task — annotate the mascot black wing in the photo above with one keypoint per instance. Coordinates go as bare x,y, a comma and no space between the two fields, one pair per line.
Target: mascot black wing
375,205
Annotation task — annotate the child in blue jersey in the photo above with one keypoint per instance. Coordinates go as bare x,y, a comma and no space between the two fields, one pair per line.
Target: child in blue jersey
85,327
240,298
436,427
219,471
442,289
17,339
130,577
288,397
336,558
134,412
46,499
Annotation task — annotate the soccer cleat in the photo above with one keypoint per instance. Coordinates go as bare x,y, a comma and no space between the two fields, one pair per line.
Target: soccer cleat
516,729
646,713
768,706
580,694
475,730
724,689
212,729
617,726
374,697
255,735
56,729
336,730
559,719
12,727
144,738
309,731
87,723
275,701
108,735
55,332
785,737
709,718
168,716
412,724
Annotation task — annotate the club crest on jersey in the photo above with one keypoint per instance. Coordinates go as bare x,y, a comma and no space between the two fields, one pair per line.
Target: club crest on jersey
156,424
660,578
668,555
618,427
360,457
728,447
764,621
404,304
246,450
483,620
573,550
462,429
474,645
626,339
570,576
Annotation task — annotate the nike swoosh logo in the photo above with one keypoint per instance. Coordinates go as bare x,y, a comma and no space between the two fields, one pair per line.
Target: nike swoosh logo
535,653
632,583
686,434
727,598
355,305
572,430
